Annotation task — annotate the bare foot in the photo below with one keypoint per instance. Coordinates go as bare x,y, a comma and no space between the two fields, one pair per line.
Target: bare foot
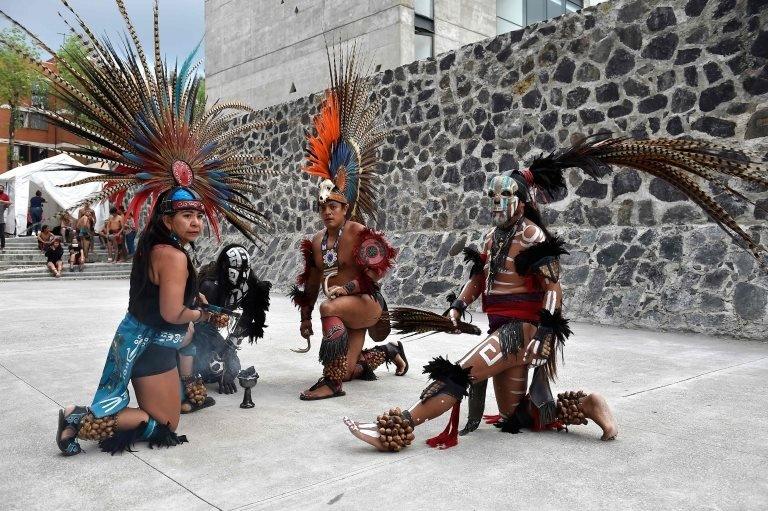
368,433
596,408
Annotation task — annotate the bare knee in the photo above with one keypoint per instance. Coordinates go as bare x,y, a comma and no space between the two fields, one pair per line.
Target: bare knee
327,308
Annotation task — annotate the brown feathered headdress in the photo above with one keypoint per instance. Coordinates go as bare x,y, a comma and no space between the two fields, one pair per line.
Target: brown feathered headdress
683,163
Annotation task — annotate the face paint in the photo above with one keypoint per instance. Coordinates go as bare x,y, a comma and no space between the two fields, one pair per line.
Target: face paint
501,189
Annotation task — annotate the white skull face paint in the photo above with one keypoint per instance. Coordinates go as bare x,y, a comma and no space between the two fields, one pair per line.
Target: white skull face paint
326,187
502,190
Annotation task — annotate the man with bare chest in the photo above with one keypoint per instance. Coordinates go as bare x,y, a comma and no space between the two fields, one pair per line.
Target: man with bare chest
516,274
114,228
346,260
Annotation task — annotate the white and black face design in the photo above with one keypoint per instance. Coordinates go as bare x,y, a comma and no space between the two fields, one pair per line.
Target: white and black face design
238,265
501,189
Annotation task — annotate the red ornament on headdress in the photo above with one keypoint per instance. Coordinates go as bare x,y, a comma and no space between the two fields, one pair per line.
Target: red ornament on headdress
182,173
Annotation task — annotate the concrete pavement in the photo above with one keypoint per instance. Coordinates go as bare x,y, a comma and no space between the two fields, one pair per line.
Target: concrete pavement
691,412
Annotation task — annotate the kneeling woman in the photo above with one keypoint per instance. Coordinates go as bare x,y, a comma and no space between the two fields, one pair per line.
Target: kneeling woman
160,309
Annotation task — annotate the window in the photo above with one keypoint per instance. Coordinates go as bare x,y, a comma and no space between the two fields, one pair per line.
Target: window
424,8
424,25
516,14
509,15
424,46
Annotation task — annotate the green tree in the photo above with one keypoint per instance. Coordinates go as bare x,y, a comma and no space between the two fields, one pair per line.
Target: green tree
71,50
200,99
18,79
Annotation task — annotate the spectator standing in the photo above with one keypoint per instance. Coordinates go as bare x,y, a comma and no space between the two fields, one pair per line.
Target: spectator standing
53,256
76,255
130,234
5,203
45,238
36,212
114,233
84,228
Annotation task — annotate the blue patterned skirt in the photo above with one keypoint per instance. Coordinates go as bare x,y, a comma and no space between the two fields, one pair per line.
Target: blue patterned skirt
131,339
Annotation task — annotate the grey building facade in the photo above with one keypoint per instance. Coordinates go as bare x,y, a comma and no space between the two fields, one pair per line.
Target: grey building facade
266,52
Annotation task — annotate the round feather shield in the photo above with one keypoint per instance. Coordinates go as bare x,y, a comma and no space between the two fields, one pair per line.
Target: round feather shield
372,252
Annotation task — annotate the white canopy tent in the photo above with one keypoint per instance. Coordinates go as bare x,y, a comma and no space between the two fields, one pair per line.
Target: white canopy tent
22,182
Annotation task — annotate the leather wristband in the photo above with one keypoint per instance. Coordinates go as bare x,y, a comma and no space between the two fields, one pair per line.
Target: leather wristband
460,305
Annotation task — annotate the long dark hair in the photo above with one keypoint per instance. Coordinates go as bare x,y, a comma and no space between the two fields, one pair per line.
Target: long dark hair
530,211
155,233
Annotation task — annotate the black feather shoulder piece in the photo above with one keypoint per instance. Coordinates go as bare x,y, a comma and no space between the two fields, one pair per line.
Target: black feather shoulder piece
472,255
526,260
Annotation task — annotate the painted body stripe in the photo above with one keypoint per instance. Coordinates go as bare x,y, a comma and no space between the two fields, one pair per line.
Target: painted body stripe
477,348
551,301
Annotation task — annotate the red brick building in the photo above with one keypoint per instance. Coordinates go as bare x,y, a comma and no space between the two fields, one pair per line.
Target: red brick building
35,137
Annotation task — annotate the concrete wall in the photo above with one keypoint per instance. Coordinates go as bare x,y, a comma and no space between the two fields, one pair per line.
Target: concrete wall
255,50
460,22
641,255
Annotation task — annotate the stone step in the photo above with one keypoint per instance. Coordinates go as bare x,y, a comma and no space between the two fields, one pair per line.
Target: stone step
91,271
70,276
94,267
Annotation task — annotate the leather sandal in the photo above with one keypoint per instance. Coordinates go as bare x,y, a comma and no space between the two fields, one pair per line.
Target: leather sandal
337,392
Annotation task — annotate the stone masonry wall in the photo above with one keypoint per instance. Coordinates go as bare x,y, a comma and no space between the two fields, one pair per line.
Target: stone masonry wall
641,255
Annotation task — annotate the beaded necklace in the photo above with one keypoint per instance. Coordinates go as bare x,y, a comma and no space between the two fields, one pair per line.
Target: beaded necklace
331,255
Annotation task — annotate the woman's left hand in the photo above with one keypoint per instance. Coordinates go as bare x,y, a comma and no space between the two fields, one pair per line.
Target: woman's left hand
201,299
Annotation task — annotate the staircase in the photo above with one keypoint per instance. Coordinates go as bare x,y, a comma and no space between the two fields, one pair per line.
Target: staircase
23,261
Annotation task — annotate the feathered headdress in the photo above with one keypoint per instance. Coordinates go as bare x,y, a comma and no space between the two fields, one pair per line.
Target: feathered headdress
680,162
343,150
140,117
